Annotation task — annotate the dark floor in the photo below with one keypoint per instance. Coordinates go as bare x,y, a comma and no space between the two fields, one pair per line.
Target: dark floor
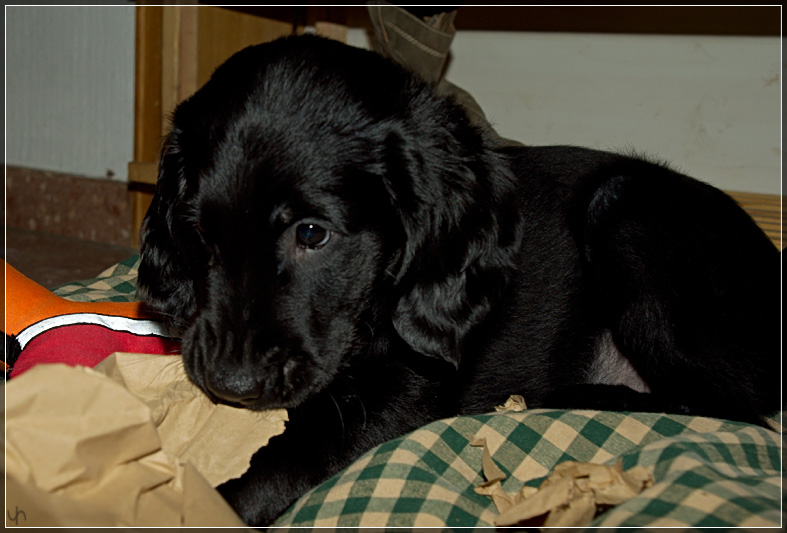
52,260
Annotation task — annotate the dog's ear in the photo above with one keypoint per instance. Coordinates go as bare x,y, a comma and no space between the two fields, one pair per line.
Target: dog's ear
456,199
165,278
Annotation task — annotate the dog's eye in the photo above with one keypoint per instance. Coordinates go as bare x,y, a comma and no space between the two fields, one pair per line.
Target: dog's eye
312,236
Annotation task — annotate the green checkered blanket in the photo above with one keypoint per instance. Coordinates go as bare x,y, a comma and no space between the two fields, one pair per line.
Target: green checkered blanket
706,472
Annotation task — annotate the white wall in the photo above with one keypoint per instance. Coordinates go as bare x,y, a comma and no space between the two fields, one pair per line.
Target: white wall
710,105
70,88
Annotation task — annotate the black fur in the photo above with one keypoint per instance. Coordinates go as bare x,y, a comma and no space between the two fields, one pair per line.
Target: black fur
456,272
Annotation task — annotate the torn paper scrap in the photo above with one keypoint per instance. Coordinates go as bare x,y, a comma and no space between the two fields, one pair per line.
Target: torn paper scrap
515,403
494,476
569,497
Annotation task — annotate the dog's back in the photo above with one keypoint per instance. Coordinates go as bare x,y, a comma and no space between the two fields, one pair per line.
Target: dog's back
632,274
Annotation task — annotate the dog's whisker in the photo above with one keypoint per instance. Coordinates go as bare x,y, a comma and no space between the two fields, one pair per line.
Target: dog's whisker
338,410
358,397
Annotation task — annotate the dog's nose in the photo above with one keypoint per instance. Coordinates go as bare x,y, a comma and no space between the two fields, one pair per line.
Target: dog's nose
238,391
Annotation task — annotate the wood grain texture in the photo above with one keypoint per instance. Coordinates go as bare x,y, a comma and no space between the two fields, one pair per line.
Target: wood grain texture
766,210
222,32
147,72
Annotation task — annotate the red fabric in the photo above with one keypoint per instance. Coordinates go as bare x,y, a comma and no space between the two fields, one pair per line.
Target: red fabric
87,345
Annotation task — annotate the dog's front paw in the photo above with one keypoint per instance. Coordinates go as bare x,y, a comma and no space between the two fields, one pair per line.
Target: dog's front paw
249,502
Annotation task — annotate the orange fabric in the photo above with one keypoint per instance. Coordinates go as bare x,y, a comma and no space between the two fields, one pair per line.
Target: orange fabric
27,302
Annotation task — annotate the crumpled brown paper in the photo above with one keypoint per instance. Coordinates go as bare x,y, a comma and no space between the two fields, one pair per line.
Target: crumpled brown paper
131,443
569,497
515,403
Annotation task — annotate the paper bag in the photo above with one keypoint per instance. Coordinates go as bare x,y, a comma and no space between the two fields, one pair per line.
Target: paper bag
132,443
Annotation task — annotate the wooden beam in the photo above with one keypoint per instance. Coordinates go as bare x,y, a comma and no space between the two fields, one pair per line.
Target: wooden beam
221,32
147,92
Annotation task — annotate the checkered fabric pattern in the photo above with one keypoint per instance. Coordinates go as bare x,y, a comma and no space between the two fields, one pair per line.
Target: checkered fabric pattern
118,283
707,472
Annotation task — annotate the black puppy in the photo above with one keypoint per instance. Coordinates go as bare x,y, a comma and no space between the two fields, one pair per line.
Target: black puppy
334,238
